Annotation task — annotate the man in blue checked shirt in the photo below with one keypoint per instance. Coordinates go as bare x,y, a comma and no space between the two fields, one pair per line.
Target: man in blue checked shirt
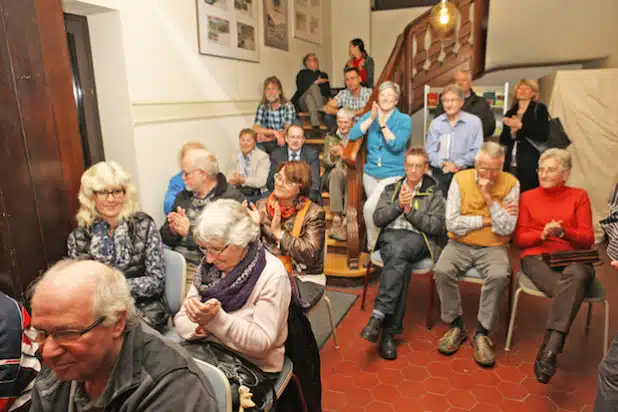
274,115
454,138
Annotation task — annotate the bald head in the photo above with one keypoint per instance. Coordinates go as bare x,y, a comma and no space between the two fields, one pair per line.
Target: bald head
87,286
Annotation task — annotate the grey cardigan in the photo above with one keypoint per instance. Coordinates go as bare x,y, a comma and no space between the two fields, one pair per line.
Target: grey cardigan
258,169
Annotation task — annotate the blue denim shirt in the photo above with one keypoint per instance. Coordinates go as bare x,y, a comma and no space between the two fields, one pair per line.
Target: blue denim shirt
465,139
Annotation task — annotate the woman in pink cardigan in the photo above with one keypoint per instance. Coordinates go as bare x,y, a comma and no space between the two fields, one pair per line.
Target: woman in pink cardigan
241,293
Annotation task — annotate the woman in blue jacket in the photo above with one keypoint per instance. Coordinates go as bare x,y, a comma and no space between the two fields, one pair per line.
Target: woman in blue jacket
388,131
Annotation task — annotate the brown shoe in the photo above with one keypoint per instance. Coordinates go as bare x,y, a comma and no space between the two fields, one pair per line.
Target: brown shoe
451,341
483,351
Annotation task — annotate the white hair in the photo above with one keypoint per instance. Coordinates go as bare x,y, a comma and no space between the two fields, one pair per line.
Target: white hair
560,155
204,160
492,149
99,177
226,221
390,85
346,113
111,294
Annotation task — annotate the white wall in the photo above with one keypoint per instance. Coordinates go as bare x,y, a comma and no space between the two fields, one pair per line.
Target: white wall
551,31
350,19
156,91
386,25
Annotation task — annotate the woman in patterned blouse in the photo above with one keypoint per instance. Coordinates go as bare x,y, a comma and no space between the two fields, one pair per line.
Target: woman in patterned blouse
112,230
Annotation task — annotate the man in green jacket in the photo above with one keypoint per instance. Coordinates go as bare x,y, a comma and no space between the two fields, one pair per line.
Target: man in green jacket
335,172
410,215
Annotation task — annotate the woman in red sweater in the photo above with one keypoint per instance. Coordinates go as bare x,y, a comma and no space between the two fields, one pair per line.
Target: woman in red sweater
554,218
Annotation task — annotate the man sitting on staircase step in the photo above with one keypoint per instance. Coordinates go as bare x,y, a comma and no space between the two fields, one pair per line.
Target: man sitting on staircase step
410,213
312,92
335,174
354,96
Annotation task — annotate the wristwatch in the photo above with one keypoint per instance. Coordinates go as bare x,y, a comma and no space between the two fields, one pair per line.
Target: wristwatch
382,127
561,235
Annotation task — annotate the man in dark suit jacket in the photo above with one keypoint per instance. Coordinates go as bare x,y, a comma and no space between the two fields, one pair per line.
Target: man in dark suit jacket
295,149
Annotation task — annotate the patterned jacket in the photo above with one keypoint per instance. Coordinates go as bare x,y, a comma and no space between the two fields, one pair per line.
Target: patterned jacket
135,248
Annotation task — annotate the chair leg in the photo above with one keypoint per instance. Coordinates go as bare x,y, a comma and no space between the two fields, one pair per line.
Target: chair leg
509,303
588,317
333,327
509,332
606,331
301,395
366,285
432,295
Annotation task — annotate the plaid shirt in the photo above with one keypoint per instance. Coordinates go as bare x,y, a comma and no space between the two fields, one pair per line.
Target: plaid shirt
275,119
345,99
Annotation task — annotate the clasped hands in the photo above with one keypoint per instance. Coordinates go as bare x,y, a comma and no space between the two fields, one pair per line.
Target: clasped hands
449,167
514,123
278,135
237,179
201,313
335,151
484,186
553,228
179,222
405,198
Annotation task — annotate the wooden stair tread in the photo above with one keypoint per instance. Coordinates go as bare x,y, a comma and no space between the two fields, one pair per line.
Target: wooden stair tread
315,141
336,243
336,265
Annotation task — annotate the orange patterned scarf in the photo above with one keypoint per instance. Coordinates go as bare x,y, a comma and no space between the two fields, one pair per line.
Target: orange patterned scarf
286,212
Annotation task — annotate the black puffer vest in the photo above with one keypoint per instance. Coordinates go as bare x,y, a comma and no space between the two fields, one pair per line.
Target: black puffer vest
138,233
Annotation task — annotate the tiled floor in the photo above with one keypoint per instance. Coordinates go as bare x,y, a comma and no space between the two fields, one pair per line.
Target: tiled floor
356,379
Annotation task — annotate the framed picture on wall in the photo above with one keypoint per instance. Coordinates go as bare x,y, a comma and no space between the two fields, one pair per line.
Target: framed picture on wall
229,28
307,17
276,24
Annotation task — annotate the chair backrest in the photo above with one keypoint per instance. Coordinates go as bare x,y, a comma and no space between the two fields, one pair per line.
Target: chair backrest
175,267
220,384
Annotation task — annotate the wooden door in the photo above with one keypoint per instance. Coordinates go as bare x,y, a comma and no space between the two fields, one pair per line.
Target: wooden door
41,158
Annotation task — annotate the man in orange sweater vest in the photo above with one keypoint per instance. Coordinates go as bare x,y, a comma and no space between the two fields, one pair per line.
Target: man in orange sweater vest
481,213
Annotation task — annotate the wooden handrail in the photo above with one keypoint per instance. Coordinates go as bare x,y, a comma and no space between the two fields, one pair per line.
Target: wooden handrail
420,57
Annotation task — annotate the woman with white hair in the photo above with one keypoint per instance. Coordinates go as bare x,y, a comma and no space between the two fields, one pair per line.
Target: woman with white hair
525,124
388,131
111,229
241,293
555,218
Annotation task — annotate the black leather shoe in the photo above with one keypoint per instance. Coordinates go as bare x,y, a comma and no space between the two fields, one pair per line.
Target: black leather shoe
388,348
545,365
372,330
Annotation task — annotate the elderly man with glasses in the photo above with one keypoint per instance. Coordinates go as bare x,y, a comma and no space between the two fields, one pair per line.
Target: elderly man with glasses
481,214
453,139
98,356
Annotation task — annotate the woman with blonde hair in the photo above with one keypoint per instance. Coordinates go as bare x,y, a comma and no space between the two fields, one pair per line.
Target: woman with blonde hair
111,229
525,124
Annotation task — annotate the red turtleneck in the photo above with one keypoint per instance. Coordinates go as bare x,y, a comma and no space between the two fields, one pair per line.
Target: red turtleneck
539,206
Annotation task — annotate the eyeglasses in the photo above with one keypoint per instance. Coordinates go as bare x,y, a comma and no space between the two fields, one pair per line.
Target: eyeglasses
283,181
548,170
213,252
61,337
493,170
414,167
103,194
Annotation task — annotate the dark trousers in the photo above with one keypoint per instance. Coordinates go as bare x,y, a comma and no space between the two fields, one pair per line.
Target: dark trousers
607,391
268,147
443,179
566,288
330,120
399,248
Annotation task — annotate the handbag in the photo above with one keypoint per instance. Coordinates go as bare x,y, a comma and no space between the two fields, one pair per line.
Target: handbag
304,294
238,371
557,137
155,312
562,259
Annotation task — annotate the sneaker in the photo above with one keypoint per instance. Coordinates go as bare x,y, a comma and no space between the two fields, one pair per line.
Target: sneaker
334,227
483,351
341,233
451,341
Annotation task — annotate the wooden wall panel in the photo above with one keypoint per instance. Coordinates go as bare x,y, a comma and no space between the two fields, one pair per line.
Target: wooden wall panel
41,159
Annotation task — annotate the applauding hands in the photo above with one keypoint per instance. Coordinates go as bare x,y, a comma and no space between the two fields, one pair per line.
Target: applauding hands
179,222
